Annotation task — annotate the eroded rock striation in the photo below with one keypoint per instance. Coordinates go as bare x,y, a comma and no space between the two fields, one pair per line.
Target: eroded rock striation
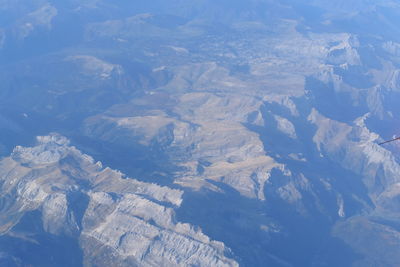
116,220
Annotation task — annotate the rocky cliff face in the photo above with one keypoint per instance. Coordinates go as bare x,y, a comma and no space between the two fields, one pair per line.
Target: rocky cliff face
114,219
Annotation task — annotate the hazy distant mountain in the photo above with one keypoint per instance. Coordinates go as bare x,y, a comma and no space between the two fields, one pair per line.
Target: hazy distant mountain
250,130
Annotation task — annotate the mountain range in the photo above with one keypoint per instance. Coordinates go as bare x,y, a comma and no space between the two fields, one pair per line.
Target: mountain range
201,133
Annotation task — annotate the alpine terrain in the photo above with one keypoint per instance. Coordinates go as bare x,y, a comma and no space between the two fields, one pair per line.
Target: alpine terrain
199,133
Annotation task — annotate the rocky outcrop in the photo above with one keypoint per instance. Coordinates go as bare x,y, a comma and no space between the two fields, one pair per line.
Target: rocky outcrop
117,220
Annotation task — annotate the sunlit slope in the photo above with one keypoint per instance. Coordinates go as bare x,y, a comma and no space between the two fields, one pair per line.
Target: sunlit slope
254,123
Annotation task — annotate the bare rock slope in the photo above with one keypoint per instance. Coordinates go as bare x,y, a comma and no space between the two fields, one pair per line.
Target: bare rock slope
116,220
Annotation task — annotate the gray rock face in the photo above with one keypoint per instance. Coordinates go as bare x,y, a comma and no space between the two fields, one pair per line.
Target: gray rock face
115,219
50,149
